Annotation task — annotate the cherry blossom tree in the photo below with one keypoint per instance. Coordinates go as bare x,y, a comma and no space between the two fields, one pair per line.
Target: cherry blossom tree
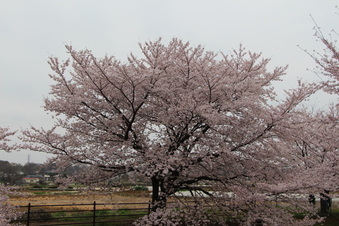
188,119
328,70
7,212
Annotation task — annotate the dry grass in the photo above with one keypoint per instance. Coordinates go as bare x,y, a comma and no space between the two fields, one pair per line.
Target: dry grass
114,199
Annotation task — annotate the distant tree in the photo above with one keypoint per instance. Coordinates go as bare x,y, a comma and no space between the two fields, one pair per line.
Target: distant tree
10,172
31,168
188,119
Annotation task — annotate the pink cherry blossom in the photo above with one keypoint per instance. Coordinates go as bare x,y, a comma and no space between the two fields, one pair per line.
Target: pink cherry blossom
7,211
195,120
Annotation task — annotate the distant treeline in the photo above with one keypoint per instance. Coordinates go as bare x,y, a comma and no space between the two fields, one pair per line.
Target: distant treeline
13,173
17,174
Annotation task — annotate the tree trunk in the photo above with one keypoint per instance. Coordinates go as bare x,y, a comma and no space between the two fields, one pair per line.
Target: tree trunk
158,201
155,193
155,189
325,202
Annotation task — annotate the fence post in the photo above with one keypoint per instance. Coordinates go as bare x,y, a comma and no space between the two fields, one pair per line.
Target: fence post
94,204
28,213
149,207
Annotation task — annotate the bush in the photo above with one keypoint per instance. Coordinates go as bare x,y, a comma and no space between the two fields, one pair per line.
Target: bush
53,186
36,185
140,188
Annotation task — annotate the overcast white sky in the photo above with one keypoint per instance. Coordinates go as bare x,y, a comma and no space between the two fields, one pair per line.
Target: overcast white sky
31,31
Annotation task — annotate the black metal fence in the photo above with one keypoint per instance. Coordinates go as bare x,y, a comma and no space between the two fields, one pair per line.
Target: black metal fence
98,214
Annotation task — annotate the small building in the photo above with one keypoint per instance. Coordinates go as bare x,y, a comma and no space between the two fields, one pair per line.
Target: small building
30,180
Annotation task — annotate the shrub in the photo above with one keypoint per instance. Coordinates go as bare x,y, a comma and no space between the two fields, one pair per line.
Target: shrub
140,188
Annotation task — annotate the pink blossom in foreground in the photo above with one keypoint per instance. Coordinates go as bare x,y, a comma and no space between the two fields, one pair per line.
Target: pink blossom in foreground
7,211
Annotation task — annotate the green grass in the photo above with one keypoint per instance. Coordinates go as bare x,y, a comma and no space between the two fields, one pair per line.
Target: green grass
125,216
101,215
40,193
